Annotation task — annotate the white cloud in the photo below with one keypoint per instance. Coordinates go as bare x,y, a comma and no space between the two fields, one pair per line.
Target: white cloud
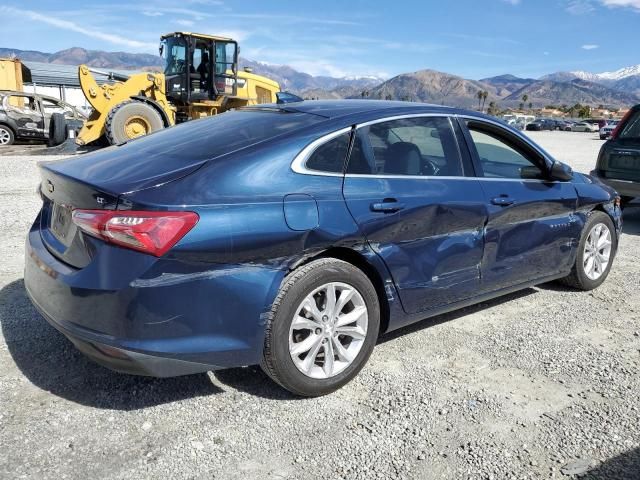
580,7
590,46
154,13
512,2
185,23
74,27
622,3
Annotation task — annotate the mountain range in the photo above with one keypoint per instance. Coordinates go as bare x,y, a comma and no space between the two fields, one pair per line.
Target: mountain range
614,89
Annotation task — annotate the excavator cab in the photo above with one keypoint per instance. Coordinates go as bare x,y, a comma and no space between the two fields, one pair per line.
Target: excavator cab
198,68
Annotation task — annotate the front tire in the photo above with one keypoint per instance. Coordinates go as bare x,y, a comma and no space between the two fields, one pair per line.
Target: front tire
131,119
322,328
596,251
6,136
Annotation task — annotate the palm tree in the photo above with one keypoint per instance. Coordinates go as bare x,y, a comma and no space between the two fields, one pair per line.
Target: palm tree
525,97
521,106
530,105
479,95
485,94
492,108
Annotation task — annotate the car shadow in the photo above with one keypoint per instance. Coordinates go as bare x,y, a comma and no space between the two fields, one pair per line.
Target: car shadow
52,363
625,466
631,219
455,314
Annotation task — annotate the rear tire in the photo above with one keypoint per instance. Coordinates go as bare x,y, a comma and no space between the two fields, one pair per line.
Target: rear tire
57,129
593,249
297,358
6,136
131,119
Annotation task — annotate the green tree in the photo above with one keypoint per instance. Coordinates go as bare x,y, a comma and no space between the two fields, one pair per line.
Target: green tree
525,97
479,95
521,106
530,105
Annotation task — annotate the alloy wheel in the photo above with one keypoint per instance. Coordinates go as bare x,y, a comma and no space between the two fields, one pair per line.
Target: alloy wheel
5,137
597,251
328,330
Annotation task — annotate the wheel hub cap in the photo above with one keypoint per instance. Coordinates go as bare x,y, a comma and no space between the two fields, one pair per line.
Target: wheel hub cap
136,127
597,251
328,330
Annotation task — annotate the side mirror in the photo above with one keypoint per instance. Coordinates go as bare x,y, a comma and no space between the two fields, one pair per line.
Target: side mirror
561,171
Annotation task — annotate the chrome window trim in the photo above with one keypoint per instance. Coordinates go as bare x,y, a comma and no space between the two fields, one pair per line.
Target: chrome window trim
516,133
299,162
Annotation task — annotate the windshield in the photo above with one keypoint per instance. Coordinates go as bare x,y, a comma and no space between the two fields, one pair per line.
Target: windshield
174,54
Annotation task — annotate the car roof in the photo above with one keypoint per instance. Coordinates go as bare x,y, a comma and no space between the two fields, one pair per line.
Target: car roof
341,108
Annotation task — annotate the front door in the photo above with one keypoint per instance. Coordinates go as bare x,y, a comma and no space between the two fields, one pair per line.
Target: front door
420,209
532,231
26,113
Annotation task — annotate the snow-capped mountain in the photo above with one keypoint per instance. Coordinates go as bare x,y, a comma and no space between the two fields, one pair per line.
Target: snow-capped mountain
626,79
620,74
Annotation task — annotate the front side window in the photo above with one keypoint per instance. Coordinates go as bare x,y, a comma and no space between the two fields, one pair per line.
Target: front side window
174,52
419,146
330,156
501,157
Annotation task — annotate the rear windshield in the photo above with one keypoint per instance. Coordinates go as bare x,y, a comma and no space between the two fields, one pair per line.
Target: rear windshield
631,129
214,136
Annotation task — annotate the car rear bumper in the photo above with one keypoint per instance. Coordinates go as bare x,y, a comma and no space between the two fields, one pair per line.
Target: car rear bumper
625,188
154,324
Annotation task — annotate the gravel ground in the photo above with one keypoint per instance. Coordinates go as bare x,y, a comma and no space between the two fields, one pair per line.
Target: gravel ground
543,383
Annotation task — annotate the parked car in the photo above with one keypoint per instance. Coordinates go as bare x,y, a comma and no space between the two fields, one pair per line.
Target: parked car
565,125
584,127
541,124
607,130
28,116
292,235
619,160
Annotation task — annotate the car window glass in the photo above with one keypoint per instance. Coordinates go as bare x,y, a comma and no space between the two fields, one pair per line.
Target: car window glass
500,159
52,107
422,146
22,104
631,129
330,156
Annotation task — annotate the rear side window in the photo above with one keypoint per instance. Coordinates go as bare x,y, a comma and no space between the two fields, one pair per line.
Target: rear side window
330,156
631,129
420,146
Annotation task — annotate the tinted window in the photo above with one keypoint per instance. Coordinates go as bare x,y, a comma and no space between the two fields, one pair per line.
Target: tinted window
329,157
501,157
631,129
423,146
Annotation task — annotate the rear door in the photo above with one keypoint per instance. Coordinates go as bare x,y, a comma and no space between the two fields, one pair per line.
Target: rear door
414,197
532,231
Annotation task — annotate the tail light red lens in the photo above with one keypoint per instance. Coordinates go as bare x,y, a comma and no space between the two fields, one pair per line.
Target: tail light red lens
149,232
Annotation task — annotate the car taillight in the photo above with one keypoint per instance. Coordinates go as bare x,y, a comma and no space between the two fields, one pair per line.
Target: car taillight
149,232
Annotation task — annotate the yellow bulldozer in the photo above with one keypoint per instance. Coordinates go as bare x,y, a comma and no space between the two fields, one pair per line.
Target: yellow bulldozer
200,78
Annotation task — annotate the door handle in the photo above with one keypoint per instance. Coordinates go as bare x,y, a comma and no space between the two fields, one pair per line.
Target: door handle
503,201
388,205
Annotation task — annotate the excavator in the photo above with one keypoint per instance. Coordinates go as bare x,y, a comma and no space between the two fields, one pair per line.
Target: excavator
200,78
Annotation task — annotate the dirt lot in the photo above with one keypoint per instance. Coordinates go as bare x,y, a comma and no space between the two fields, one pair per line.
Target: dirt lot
541,384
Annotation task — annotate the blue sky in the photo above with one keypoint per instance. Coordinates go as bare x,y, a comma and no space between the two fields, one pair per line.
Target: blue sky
471,38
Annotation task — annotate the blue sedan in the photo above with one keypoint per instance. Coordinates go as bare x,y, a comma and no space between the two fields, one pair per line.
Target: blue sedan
292,235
